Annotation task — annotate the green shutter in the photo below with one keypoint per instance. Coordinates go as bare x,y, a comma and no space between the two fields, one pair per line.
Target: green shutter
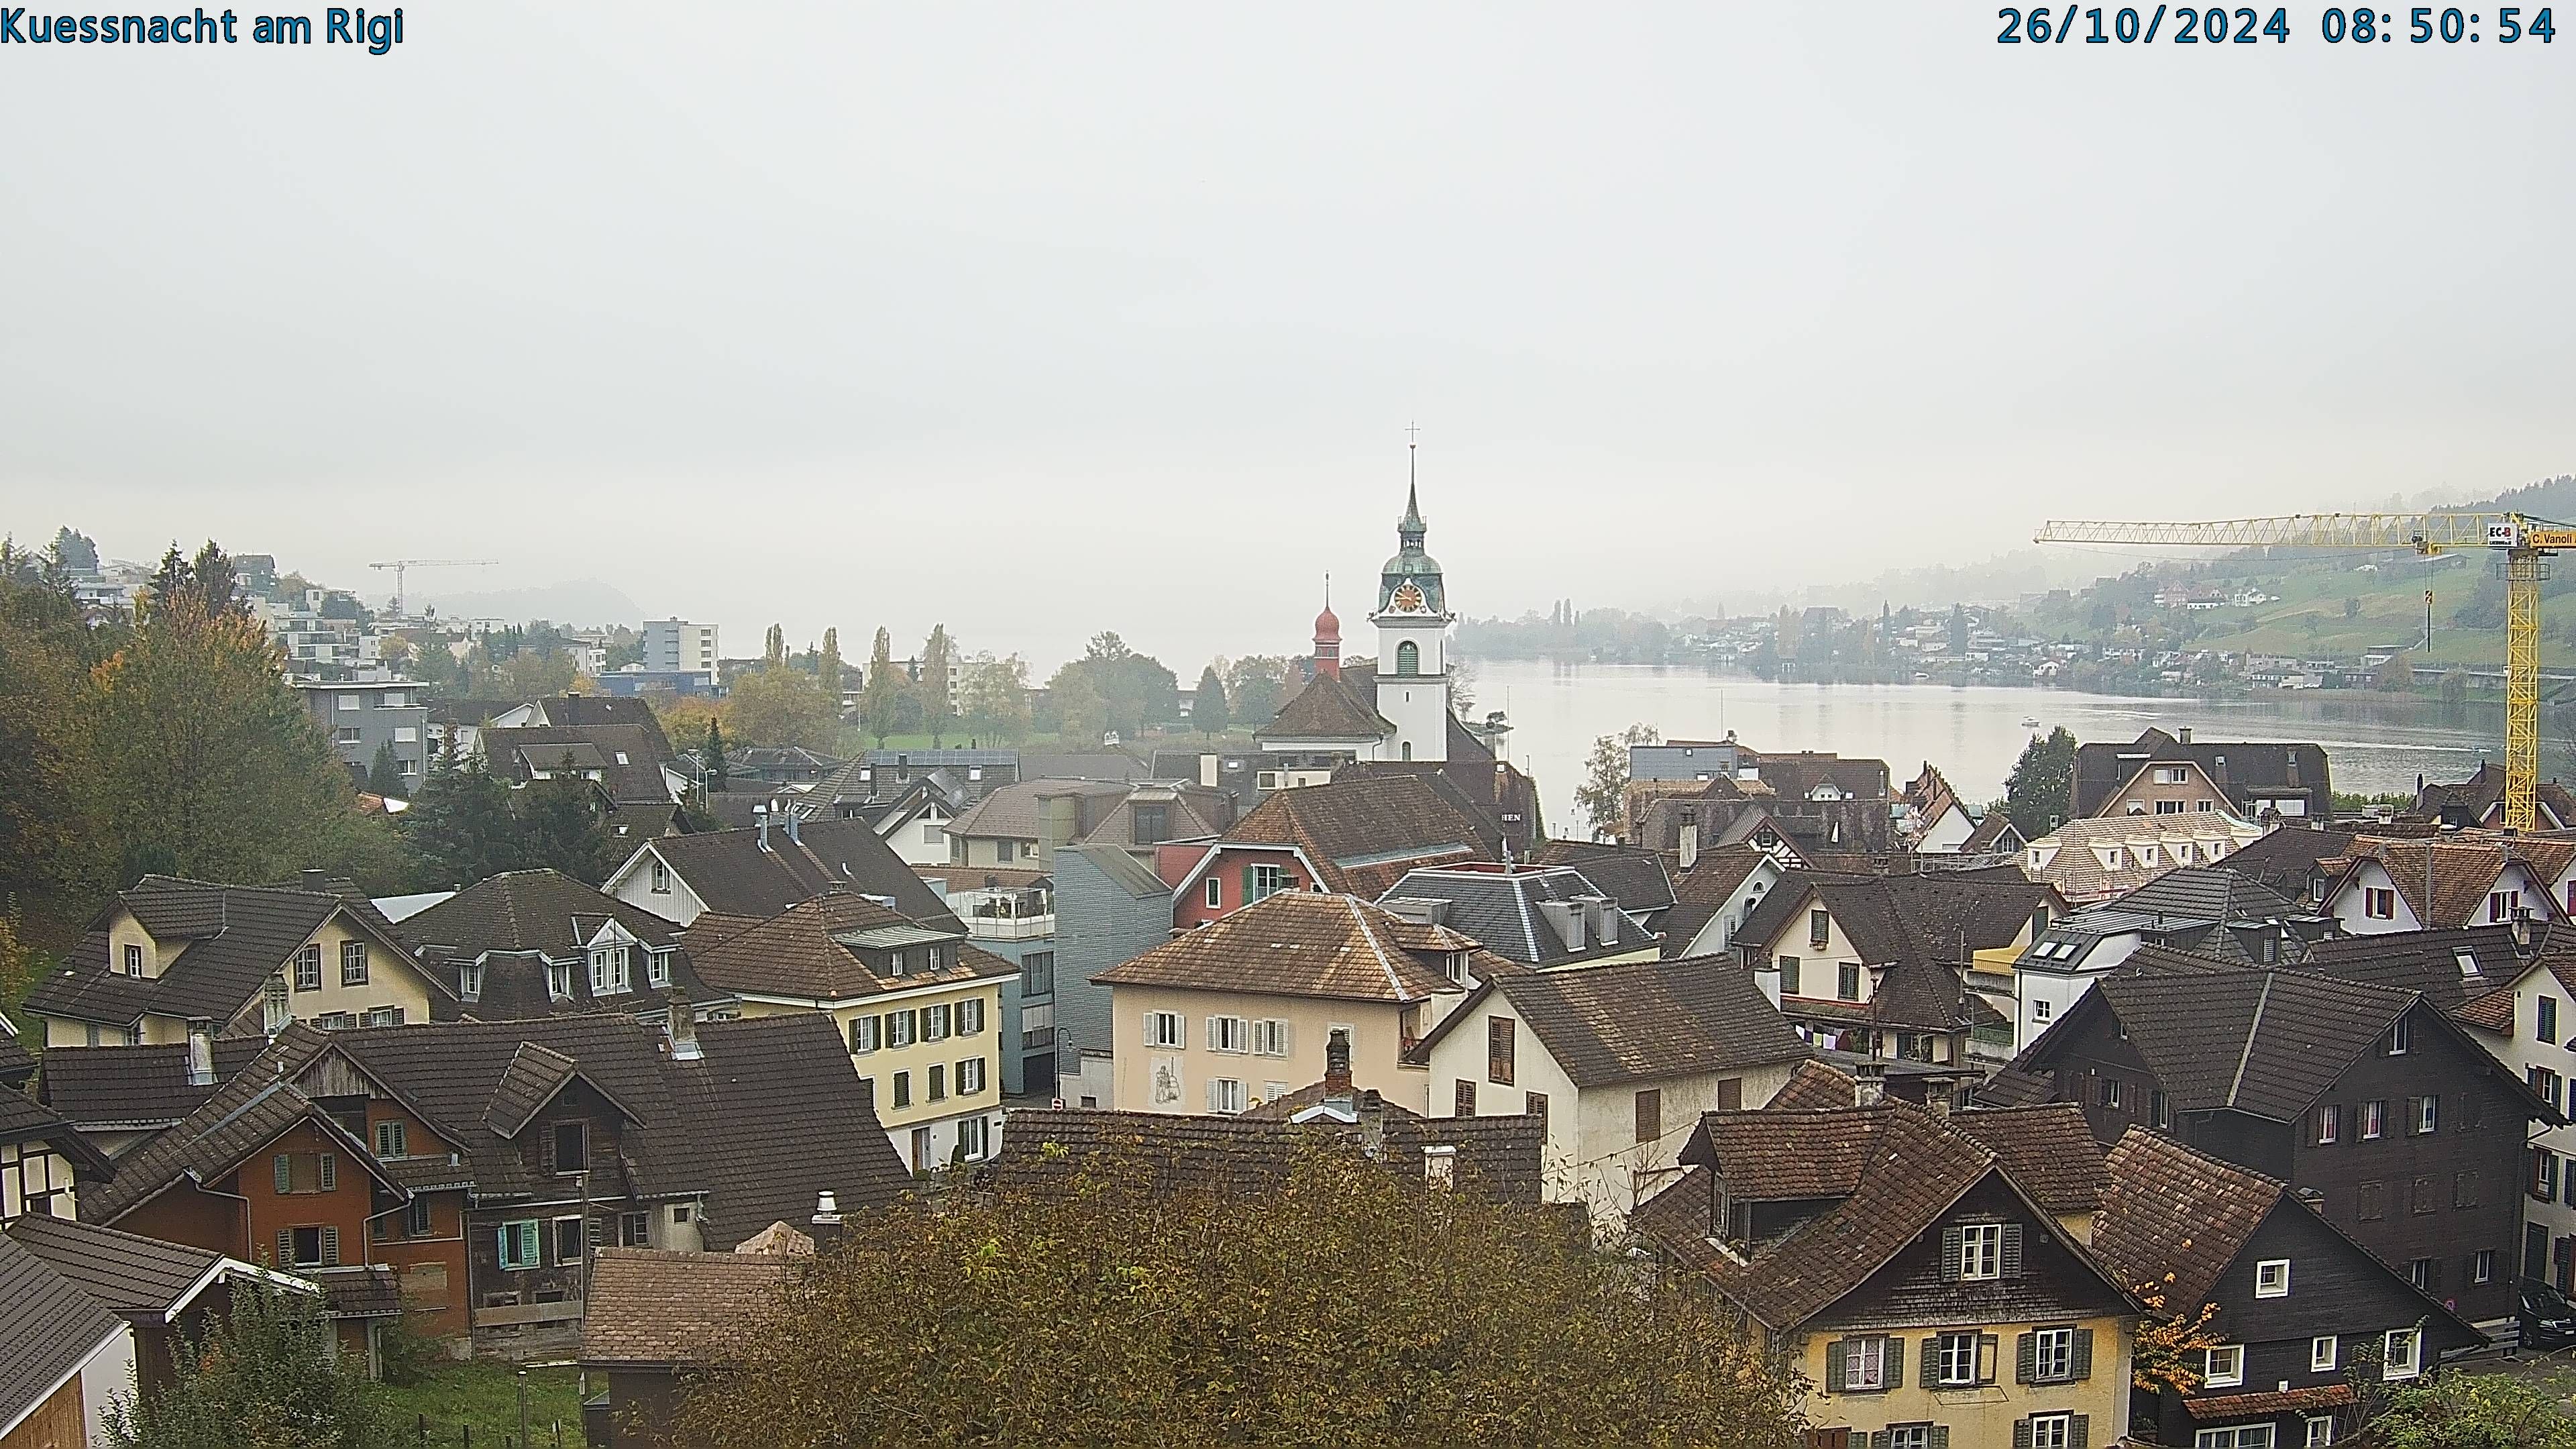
1895,1356
2021,1434
1932,1361
1834,1355
1880,1439
285,1248
2079,1434
331,1247
2084,1353
1954,1241
2026,1358
1245,899
283,1166
1940,1436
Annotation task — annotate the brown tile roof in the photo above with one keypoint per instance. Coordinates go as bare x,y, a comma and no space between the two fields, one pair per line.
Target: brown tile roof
1299,943
1326,709
1943,916
529,910
357,1290
2048,1151
1633,876
813,950
2423,961
637,779
237,937
2102,768
2463,871
1637,1020
2285,858
1701,891
1812,1086
244,1115
130,1274
1017,812
730,872
98,1087
1990,835
2491,1012
1313,1094
2480,799
2268,1403
2169,1209
1049,1150
1793,776
651,1308
1364,833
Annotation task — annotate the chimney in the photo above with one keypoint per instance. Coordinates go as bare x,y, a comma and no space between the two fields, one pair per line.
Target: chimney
792,823
683,1028
760,821
1690,844
826,1222
1337,1067
1371,1116
1567,919
2521,934
1869,1085
201,1053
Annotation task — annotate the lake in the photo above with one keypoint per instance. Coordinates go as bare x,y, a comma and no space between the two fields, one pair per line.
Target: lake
1973,734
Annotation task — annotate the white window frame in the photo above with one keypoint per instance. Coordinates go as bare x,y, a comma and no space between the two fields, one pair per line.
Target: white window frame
2391,1367
2052,1431
2233,1377
865,1034
1269,1037
970,1016
2428,1114
1232,1034
1946,1358
1165,1030
1226,1095
308,966
970,1076
934,1021
2320,1431
1909,1436
1215,896
974,1138
1981,1252
2324,1352
2235,1436
1856,1353
2269,1283
2052,1355
661,885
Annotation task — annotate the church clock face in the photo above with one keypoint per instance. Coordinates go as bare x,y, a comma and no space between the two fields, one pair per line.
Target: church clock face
1408,598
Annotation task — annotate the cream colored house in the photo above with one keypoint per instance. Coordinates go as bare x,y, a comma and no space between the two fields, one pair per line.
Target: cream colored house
1617,1060
918,1007
1239,1011
2100,858
243,959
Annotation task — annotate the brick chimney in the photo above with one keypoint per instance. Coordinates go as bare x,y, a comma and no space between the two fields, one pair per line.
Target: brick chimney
201,1053
1337,1067
684,1028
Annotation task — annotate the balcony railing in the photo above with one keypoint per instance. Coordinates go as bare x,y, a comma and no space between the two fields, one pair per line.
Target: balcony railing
1010,928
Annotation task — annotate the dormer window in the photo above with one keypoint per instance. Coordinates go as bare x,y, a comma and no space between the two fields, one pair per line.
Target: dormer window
559,980
469,982
133,959
608,971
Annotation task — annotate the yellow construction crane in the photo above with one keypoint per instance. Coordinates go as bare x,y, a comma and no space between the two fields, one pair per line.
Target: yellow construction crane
2526,544
401,566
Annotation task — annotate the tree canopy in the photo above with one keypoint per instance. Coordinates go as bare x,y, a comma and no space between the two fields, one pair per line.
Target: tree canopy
2039,794
268,1375
1354,1306
881,692
1603,795
1207,704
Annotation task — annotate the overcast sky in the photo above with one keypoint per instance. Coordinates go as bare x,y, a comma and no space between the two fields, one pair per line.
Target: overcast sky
1041,319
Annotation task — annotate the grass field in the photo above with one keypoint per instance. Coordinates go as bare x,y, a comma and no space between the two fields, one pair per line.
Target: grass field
484,1397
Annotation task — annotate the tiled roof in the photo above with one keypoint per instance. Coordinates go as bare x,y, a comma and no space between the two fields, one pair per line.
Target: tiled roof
1793,776
125,1272
98,1087
2209,893
2284,859
653,1308
636,779
244,1115
237,937
2424,961
730,872
1364,833
1326,709
2096,858
1093,765
357,1290
1634,877
2480,798
531,1080
48,1327
1942,916
811,949
2169,1209
2263,1042
1299,943
1017,812
1501,908
2461,870
529,910
771,1116
2236,767
1995,832
1812,1086
1049,1150
1313,1094
1703,890
1637,1020
2048,1151
582,711
2269,1403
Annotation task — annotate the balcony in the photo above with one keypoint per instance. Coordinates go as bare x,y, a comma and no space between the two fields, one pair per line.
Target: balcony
1010,928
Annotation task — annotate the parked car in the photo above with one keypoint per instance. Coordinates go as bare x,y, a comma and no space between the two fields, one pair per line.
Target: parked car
2548,1317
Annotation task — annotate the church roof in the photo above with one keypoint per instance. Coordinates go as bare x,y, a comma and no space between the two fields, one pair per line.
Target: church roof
1327,709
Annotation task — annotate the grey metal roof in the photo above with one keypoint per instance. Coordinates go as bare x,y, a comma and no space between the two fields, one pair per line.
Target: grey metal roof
894,937
1498,906
125,1272
48,1327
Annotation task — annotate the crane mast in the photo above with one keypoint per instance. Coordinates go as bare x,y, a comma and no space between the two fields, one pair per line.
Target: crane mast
2526,544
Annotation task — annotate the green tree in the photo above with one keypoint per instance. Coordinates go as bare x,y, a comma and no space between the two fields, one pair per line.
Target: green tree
1081,715
827,669
2039,795
385,776
938,706
460,826
269,1375
205,755
773,651
2395,675
713,753
993,697
1207,704
559,825
77,551
1354,1306
1603,795
1256,685
777,705
46,746
2463,1410
1134,689
881,691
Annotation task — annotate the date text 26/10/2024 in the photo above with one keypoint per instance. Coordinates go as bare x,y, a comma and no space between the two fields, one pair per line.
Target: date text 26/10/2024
2219,25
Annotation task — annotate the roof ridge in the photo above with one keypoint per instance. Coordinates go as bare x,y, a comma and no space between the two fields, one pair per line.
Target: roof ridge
1392,983
2253,1027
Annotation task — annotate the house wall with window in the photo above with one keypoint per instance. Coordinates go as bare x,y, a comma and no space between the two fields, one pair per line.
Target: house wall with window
1818,956
2301,1311
1964,1354
1234,876
391,982
527,1257
1188,1078
936,1083
422,1240
1108,911
36,1179
319,1219
1595,1151
2541,1051
648,882
2167,787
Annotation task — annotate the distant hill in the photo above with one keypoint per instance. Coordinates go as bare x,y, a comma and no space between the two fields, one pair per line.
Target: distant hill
579,603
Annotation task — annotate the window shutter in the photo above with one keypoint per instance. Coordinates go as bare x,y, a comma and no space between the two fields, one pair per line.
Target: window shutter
2012,1250
2026,1358
1931,1361
1953,1246
597,1228
1987,1346
328,1170
285,1248
1893,1353
1834,1356
1287,1038
1940,1436
2021,1434
283,1167
1211,1038
331,1247
1245,899
2084,1353
546,1151
2079,1433
1879,1439
1211,1094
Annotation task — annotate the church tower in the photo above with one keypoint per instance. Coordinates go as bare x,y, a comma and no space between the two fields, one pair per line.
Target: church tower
1412,622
